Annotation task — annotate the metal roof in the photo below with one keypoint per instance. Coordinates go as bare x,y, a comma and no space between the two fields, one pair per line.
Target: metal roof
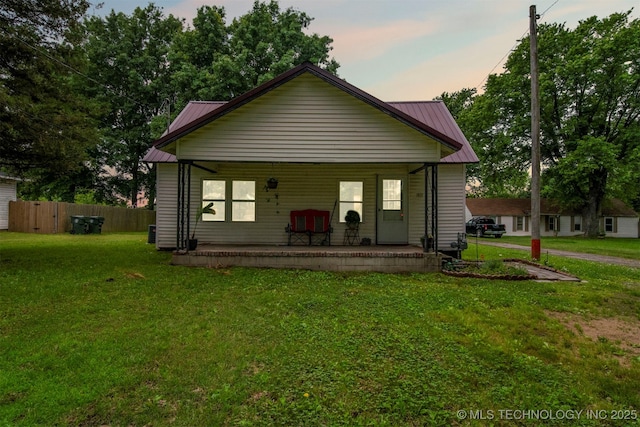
436,115
429,117
193,111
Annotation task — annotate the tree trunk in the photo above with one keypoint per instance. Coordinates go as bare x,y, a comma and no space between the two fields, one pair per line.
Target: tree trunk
591,212
134,187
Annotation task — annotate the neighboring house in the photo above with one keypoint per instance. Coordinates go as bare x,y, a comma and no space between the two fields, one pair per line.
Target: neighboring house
617,220
8,193
401,165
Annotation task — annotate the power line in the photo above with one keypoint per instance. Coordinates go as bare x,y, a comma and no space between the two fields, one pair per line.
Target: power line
91,79
513,47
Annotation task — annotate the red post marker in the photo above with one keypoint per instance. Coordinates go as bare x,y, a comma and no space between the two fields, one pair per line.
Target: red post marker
535,249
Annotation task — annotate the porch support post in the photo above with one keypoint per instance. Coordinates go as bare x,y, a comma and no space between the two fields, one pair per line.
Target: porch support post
430,207
434,201
183,205
188,209
425,244
180,208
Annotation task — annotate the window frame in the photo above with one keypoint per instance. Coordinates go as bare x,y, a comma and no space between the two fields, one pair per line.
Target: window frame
577,223
351,203
228,201
239,201
204,201
610,225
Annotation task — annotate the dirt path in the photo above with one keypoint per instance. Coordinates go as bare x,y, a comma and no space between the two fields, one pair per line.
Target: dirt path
587,257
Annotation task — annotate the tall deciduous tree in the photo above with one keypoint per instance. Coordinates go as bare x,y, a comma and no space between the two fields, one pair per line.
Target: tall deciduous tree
45,126
128,58
590,109
150,62
215,61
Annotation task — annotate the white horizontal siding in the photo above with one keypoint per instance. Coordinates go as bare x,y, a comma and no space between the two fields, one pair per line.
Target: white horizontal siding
300,187
627,227
166,205
307,187
7,194
510,225
308,120
451,203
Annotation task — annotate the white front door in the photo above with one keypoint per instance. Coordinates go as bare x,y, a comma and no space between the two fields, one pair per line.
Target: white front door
392,221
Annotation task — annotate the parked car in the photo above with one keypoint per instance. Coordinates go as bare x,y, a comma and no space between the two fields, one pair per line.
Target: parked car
482,226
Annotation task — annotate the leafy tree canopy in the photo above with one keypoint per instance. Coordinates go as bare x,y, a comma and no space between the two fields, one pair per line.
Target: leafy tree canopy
84,98
590,109
45,126
154,66
128,62
216,61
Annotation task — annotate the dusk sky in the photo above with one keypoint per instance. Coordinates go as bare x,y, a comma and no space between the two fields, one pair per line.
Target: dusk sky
401,50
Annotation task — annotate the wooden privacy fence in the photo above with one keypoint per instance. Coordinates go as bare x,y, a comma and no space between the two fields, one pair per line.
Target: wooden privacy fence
55,217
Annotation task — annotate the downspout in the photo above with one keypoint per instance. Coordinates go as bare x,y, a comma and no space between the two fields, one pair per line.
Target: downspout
184,205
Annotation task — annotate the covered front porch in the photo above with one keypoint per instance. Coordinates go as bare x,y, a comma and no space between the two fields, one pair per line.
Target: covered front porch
378,258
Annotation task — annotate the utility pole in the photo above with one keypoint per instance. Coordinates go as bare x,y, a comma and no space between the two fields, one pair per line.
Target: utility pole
535,135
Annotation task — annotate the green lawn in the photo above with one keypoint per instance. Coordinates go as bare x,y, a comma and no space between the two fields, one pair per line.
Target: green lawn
624,248
101,330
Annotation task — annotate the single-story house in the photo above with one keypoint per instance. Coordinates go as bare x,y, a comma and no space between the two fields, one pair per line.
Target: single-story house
8,193
331,146
617,220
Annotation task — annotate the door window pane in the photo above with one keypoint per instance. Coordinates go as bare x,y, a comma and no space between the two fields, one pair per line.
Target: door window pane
392,194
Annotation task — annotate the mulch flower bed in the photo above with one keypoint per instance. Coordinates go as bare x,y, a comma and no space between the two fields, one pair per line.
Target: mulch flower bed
471,269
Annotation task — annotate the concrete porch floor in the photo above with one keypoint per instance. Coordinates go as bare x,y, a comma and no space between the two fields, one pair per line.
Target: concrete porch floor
387,259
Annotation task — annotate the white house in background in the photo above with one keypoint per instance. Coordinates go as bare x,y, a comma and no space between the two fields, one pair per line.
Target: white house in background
401,165
8,193
617,220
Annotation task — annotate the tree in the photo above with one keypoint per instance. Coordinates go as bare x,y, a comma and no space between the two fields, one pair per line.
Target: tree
590,108
590,114
499,173
45,126
128,58
150,64
214,61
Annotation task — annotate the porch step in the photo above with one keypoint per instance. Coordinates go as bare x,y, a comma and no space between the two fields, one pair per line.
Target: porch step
335,258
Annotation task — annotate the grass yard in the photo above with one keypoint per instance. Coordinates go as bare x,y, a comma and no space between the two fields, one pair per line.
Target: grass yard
624,248
101,330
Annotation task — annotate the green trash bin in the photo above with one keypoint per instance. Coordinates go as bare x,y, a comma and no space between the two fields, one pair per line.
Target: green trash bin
79,224
95,224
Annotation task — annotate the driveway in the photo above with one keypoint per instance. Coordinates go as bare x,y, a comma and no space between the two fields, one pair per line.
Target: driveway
577,255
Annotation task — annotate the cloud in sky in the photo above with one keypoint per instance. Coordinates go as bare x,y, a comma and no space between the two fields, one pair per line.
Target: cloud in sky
414,49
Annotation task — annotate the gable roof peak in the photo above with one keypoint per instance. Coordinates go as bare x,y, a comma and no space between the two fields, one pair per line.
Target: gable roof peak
325,75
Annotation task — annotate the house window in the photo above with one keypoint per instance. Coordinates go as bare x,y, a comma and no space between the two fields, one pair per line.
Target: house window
214,191
244,201
553,223
519,223
608,224
351,198
577,223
